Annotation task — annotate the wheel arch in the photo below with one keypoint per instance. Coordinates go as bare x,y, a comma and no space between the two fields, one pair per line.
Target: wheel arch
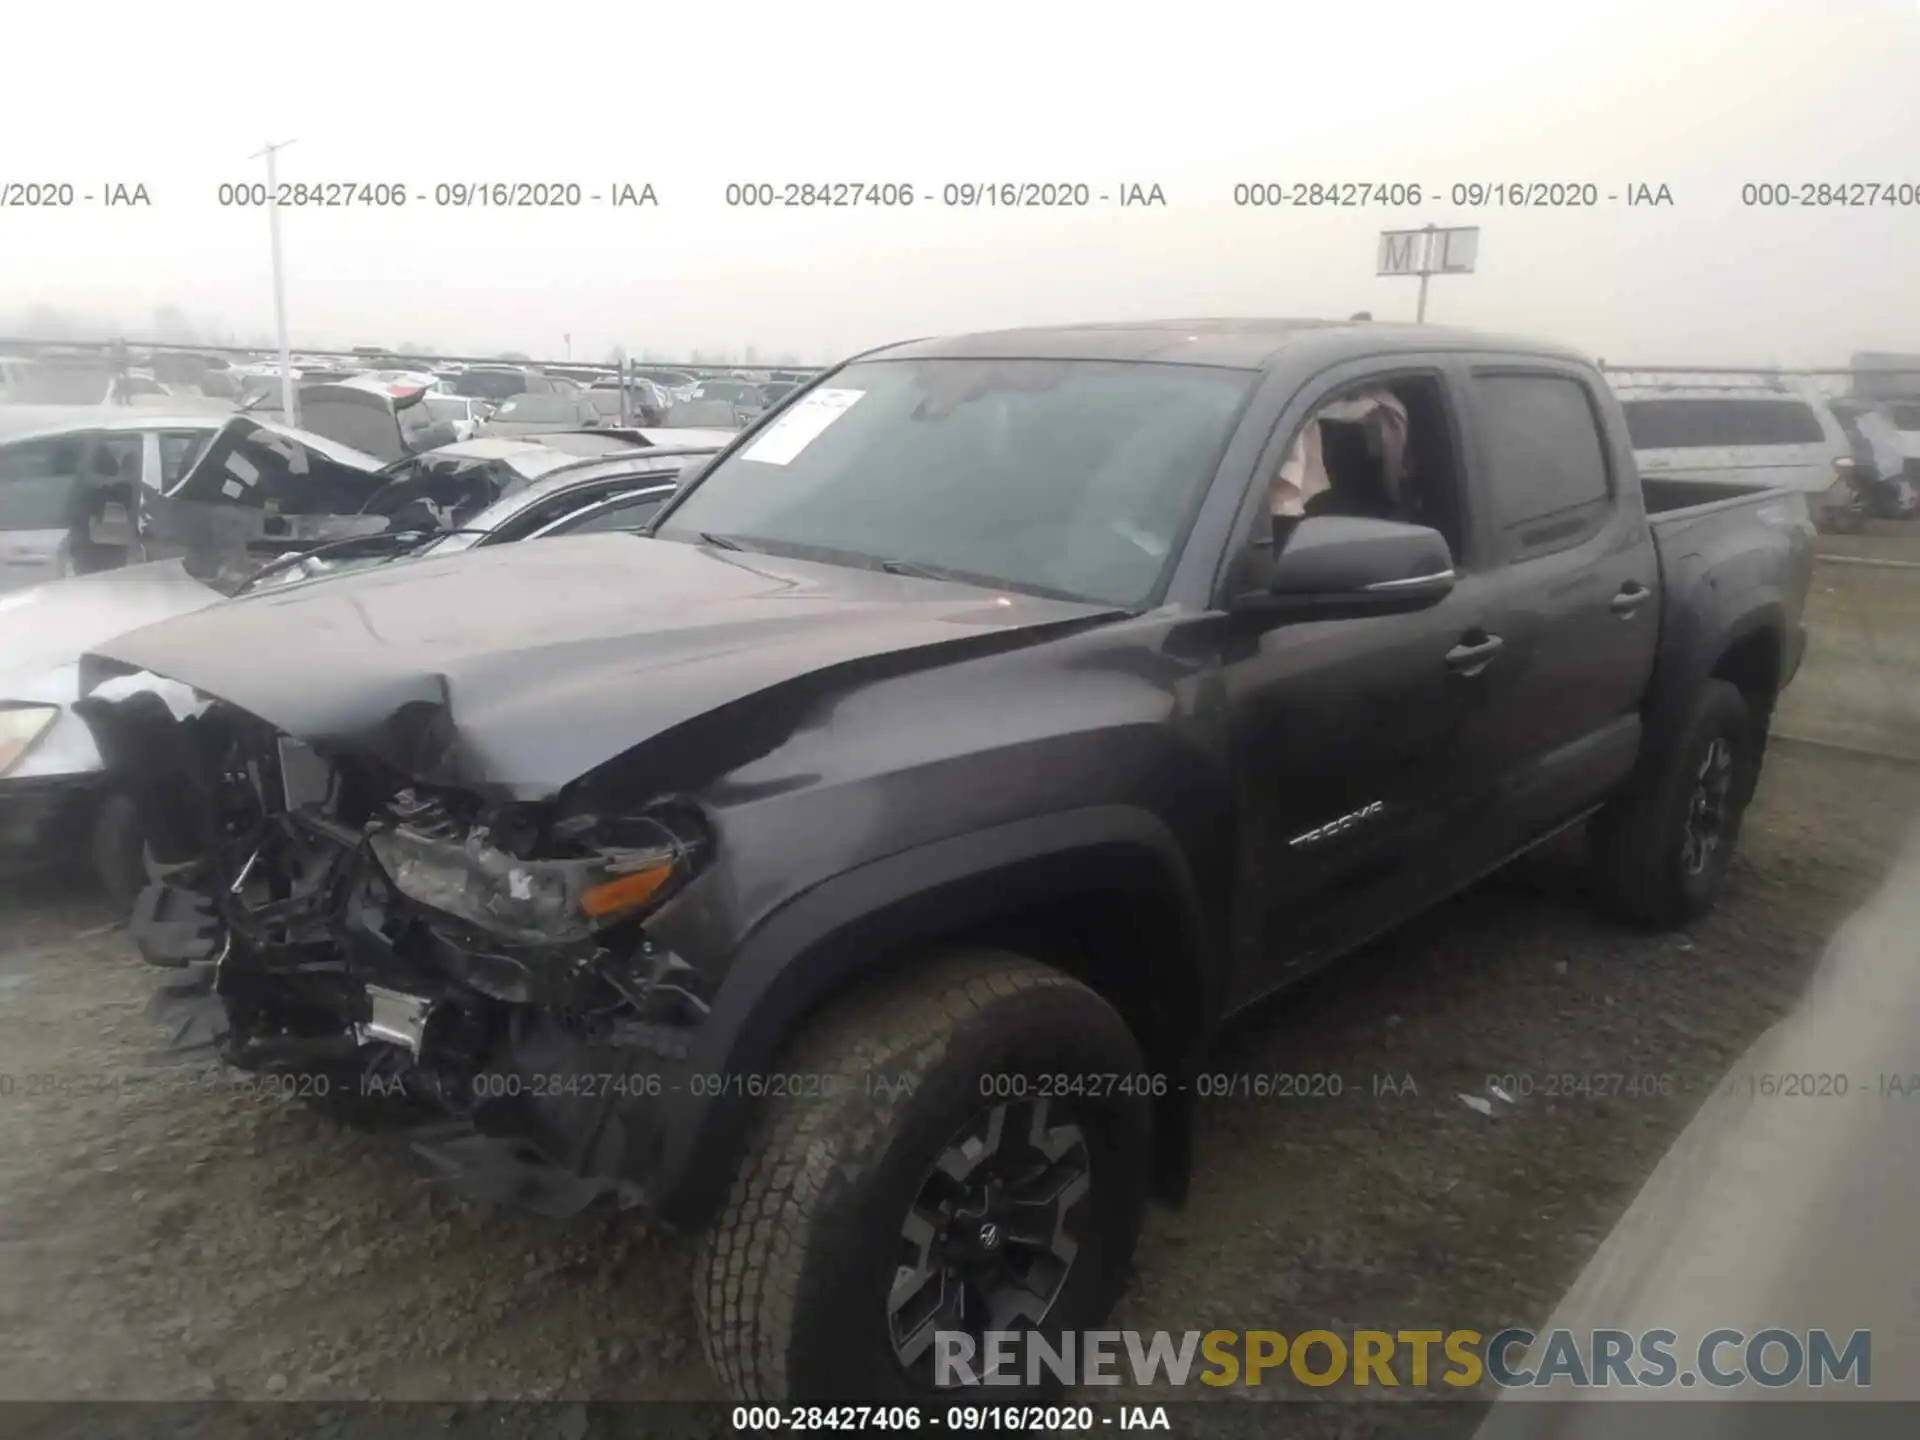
1749,652
1753,658
1104,893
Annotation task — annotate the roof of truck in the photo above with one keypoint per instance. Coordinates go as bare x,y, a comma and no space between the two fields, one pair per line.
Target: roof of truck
1248,344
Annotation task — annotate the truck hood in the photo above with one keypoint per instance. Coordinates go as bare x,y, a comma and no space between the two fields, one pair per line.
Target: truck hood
511,671
48,627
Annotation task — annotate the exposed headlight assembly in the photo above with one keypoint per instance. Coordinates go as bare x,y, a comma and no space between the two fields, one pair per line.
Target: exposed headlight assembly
543,902
20,726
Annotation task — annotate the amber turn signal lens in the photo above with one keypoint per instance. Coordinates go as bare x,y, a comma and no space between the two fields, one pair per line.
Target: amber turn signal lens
626,892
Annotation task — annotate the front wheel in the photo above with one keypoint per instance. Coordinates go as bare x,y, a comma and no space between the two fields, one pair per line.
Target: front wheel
1660,850
960,1159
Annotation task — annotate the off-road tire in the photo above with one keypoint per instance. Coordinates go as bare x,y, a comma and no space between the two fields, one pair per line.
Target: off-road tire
1636,843
790,1282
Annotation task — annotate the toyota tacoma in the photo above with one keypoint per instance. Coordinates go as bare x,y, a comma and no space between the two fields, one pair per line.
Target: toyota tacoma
856,867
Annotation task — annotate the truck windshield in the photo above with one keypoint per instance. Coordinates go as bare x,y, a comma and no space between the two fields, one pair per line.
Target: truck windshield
1063,477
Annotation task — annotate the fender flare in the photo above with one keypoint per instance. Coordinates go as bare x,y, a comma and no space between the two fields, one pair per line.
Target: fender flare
823,941
1699,655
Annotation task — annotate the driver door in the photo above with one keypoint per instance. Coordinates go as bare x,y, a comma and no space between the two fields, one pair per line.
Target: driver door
1360,746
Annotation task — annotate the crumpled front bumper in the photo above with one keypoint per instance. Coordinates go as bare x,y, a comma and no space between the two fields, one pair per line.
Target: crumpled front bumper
394,1015
529,1114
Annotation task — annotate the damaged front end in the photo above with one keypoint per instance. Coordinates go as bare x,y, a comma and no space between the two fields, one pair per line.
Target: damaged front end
477,972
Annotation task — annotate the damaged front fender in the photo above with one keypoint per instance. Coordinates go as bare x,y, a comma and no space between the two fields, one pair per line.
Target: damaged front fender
542,1065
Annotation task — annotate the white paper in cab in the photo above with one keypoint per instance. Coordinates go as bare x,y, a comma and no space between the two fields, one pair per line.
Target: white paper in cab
800,426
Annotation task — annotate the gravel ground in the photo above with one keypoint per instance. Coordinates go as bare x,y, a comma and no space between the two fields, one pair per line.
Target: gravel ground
1859,685
167,1237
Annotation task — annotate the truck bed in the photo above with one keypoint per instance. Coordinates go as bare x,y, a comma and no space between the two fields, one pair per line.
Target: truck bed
1722,518
1665,498
1719,546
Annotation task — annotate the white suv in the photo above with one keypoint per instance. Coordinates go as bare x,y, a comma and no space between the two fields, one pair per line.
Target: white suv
1760,432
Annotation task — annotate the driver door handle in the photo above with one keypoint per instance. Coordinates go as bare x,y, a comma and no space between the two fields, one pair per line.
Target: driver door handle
1631,597
1473,653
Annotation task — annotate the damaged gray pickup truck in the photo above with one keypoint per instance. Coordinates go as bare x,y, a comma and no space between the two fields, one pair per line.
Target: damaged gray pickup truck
857,866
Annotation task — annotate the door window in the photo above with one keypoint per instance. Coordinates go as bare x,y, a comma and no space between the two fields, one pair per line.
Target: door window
628,513
37,480
178,450
1386,449
1547,480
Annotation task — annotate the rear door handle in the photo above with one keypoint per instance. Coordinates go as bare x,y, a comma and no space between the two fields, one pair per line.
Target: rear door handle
1631,597
1470,657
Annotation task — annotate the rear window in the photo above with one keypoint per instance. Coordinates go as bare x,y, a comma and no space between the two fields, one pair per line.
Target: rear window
1547,465
1708,421
1905,417
364,422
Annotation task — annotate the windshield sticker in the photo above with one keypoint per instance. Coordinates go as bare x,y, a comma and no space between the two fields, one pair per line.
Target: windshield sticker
801,426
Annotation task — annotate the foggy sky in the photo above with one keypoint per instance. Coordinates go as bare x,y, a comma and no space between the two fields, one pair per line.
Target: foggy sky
1701,95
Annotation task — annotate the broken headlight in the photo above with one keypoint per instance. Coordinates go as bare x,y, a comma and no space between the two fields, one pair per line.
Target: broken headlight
543,902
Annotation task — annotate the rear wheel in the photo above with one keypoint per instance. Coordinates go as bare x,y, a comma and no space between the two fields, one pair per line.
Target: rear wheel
1660,851
946,1181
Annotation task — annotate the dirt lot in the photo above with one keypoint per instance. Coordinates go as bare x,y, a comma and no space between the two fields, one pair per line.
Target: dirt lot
1860,683
170,1234
162,1236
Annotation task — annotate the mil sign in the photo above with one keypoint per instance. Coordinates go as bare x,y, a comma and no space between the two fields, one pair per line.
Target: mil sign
1427,252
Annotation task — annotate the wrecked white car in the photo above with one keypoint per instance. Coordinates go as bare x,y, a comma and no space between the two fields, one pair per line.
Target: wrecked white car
53,793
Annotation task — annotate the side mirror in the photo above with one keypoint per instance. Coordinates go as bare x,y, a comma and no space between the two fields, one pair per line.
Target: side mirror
1337,566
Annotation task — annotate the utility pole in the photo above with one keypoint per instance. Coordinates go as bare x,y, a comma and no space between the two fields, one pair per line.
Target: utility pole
1426,273
287,405
1426,252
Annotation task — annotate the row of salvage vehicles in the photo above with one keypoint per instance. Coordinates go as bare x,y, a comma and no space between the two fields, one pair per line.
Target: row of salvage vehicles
854,862
124,522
